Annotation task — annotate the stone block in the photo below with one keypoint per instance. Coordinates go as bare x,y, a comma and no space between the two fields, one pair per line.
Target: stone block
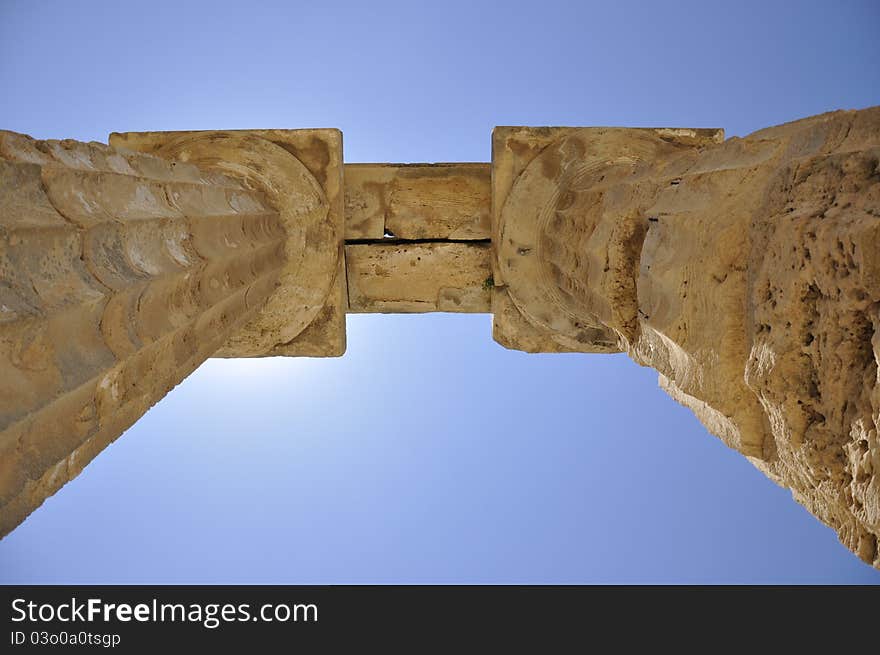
417,201
529,167
306,316
419,277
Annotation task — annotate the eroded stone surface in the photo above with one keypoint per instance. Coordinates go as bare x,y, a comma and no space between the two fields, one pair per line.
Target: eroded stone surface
121,273
300,171
417,277
745,272
530,215
417,201
512,330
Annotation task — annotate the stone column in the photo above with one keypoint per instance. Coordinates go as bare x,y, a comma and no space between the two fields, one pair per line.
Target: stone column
120,273
747,272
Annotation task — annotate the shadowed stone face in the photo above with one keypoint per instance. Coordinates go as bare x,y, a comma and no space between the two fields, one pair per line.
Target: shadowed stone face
746,272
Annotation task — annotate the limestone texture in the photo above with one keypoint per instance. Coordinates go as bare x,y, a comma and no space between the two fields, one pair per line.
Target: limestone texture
417,201
300,171
419,277
120,273
746,272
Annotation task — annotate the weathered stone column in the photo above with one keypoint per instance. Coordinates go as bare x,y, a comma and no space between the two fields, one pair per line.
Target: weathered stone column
119,274
747,272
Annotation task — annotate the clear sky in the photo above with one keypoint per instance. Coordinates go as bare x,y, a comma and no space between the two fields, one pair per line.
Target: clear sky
428,453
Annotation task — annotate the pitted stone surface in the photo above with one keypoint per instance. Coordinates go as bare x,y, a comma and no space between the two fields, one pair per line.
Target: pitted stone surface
121,273
744,272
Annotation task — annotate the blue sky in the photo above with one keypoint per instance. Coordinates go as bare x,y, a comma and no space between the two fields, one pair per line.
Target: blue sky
428,453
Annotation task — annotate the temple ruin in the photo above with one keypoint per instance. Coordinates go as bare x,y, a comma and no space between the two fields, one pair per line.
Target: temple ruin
745,271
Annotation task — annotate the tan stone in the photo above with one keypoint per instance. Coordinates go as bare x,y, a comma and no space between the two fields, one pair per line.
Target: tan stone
514,148
417,277
324,336
301,173
512,330
521,158
121,273
417,201
745,272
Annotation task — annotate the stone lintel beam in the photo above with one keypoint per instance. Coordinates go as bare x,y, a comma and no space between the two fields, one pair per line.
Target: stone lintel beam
417,238
417,201
407,278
